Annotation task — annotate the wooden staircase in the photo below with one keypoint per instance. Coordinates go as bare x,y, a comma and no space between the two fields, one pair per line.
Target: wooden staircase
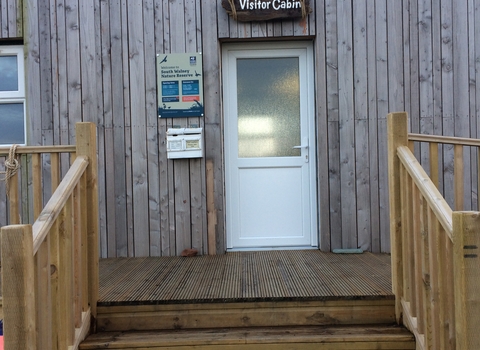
262,300
354,324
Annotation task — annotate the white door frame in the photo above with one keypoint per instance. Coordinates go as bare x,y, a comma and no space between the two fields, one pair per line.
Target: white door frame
303,50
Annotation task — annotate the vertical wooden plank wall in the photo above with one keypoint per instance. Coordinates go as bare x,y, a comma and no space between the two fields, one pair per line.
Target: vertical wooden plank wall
333,151
360,64
11,19
94,60
322,123
346,123
443,59
10,27
448,109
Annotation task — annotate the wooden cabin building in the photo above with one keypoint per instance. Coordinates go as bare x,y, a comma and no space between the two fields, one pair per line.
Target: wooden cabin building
321,80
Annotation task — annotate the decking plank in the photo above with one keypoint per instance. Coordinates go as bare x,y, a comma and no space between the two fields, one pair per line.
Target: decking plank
176,270
355,274
159,268
112,270
304,272
245,276
324,266
216,273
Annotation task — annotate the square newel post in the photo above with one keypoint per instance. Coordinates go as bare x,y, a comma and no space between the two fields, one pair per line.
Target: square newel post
86,139
18,287
397,127
466,264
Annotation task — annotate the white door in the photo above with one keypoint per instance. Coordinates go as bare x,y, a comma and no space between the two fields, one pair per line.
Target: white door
269,145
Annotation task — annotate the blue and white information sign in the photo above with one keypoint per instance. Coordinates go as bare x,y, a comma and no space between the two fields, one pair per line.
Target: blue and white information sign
180,85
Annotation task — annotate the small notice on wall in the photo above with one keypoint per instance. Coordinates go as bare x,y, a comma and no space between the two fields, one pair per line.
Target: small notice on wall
180,85
264,10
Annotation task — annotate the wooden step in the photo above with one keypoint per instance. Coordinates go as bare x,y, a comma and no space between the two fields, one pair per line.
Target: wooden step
261,338
247,314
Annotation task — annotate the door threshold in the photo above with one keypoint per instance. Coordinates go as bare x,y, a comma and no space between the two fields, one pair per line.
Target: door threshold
255,249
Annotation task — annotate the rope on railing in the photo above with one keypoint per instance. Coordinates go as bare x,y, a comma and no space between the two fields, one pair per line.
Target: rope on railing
11,167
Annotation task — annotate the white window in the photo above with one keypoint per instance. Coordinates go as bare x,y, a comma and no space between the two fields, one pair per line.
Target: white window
12,96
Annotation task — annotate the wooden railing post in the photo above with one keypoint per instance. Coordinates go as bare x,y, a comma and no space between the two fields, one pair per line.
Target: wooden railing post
86,139
466,244
397,136
18,287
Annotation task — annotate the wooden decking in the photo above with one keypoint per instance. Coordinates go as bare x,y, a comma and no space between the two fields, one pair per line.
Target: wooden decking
248,300
308,275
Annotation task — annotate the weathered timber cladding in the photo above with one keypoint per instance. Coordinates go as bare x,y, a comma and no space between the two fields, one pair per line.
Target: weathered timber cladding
94,60
11,19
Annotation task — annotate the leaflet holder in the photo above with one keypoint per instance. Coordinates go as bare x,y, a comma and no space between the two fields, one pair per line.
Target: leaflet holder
184,143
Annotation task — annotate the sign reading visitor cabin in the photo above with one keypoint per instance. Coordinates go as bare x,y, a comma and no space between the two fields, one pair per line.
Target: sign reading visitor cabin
263,10
180,85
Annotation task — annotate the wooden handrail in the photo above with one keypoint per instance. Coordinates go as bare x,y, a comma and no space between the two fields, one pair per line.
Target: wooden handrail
449,140
434,198
26,192
52,209
39,149
435,250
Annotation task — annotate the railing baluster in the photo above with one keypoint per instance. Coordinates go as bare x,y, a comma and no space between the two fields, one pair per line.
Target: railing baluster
450,309
55,170
63,280
433,273
424,273
438,257
409,243
404,235
43,296
66,248
13,200
54,261
37,185
458,177
434,163
417,236
77,255
26,215
411,145
84,247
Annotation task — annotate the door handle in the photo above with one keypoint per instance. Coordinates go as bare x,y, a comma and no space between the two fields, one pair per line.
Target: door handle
304,145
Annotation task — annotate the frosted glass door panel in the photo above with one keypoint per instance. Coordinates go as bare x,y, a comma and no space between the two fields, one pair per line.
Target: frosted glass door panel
268,95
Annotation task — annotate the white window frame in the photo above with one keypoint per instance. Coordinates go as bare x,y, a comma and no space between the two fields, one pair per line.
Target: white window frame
17,96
